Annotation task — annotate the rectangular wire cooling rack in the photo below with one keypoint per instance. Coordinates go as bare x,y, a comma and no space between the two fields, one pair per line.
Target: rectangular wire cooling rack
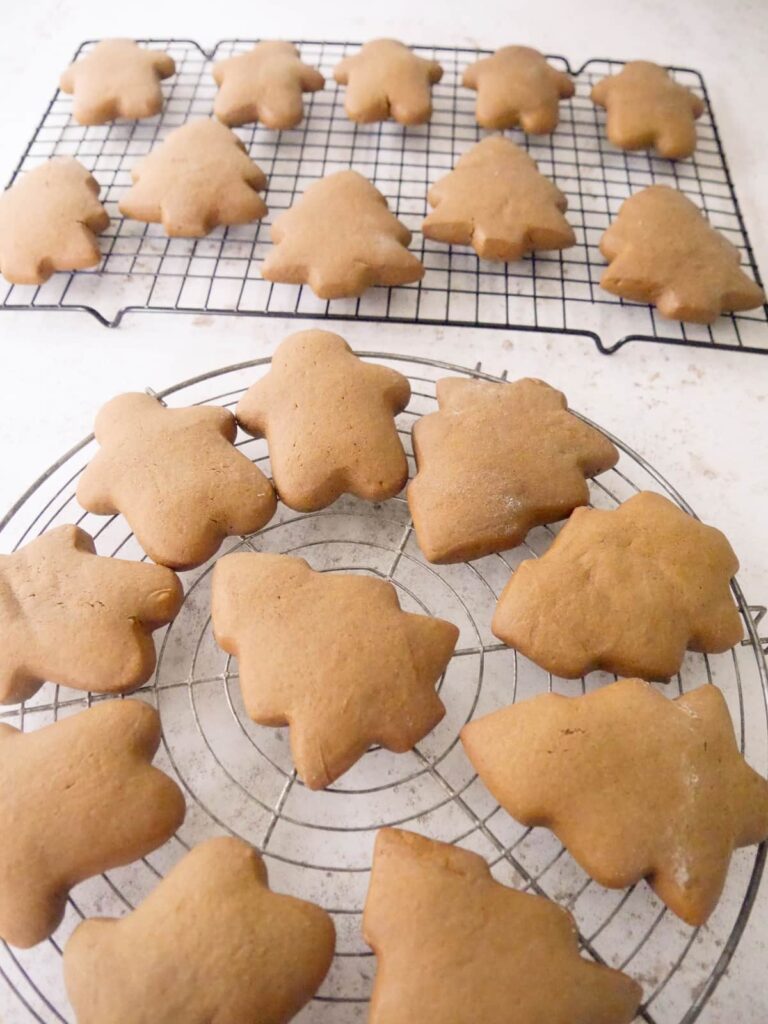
143,270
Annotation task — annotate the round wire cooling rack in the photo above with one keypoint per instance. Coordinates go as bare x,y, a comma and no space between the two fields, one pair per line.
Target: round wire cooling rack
238,777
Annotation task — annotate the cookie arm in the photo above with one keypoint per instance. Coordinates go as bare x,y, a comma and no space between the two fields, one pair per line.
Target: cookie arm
68,79
470,75
342,70
601,91
311,79
163,63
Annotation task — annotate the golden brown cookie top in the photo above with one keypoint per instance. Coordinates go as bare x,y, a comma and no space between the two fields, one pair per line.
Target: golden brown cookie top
648,109
117,78
82,797
495,461
635,785
386,79
453,944
333,656
662,250
517,86
210,943
199,177
49,219
626,590
265,84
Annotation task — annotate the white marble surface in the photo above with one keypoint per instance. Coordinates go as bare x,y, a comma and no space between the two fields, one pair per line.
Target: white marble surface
700,417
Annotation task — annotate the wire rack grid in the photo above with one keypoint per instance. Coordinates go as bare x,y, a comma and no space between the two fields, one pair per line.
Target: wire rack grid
238,777
142,269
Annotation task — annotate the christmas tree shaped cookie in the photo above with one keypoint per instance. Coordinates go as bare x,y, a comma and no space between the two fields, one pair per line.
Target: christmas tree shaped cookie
340,238
49,220
496,200
386,79
200,177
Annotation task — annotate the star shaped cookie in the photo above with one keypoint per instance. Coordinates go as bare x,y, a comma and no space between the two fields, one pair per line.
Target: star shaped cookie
176,476
495,461
329,420
49,220
627,590
386,79
453,944
78,797
211,943
333,656
115,79
516,86
662,250
266,85
635,785
75,618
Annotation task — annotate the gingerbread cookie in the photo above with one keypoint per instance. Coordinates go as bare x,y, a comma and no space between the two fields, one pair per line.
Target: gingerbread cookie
495,461
176,476
340,238
627,591
386,79
211,943
77,797
329,420
516,86
49,220
496,201
633,784
648,109
115,79
265,84
75,618
662,250
453,944
333,656
199,177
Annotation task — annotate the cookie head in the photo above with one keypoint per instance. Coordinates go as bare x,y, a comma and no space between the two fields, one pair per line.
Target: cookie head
386,79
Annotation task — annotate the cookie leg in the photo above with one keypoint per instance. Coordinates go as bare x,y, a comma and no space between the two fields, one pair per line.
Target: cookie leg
677,140
540,120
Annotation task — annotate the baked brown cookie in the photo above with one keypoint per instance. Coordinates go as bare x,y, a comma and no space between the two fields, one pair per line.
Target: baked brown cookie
495,461
49,220
75,618
627,591
496,200
635,785
328,418
648,109
211,943
265,84
199,177
662,250
516,86
386,79
333,656
340,238
77,797
115,79
176,476
453,944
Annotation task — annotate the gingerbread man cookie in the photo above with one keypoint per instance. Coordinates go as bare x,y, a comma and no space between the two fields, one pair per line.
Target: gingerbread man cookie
75,618
333,656
328,418
176,476
648,109
386,79
49,220
635,785
115,79
627,591
265,84
248,954
78,797
516,86
199,177
453,944
495,461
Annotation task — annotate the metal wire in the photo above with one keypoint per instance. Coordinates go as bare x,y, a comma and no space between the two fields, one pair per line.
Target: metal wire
238,777
143,270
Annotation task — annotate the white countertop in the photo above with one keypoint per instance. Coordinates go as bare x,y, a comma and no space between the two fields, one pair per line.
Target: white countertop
700,417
